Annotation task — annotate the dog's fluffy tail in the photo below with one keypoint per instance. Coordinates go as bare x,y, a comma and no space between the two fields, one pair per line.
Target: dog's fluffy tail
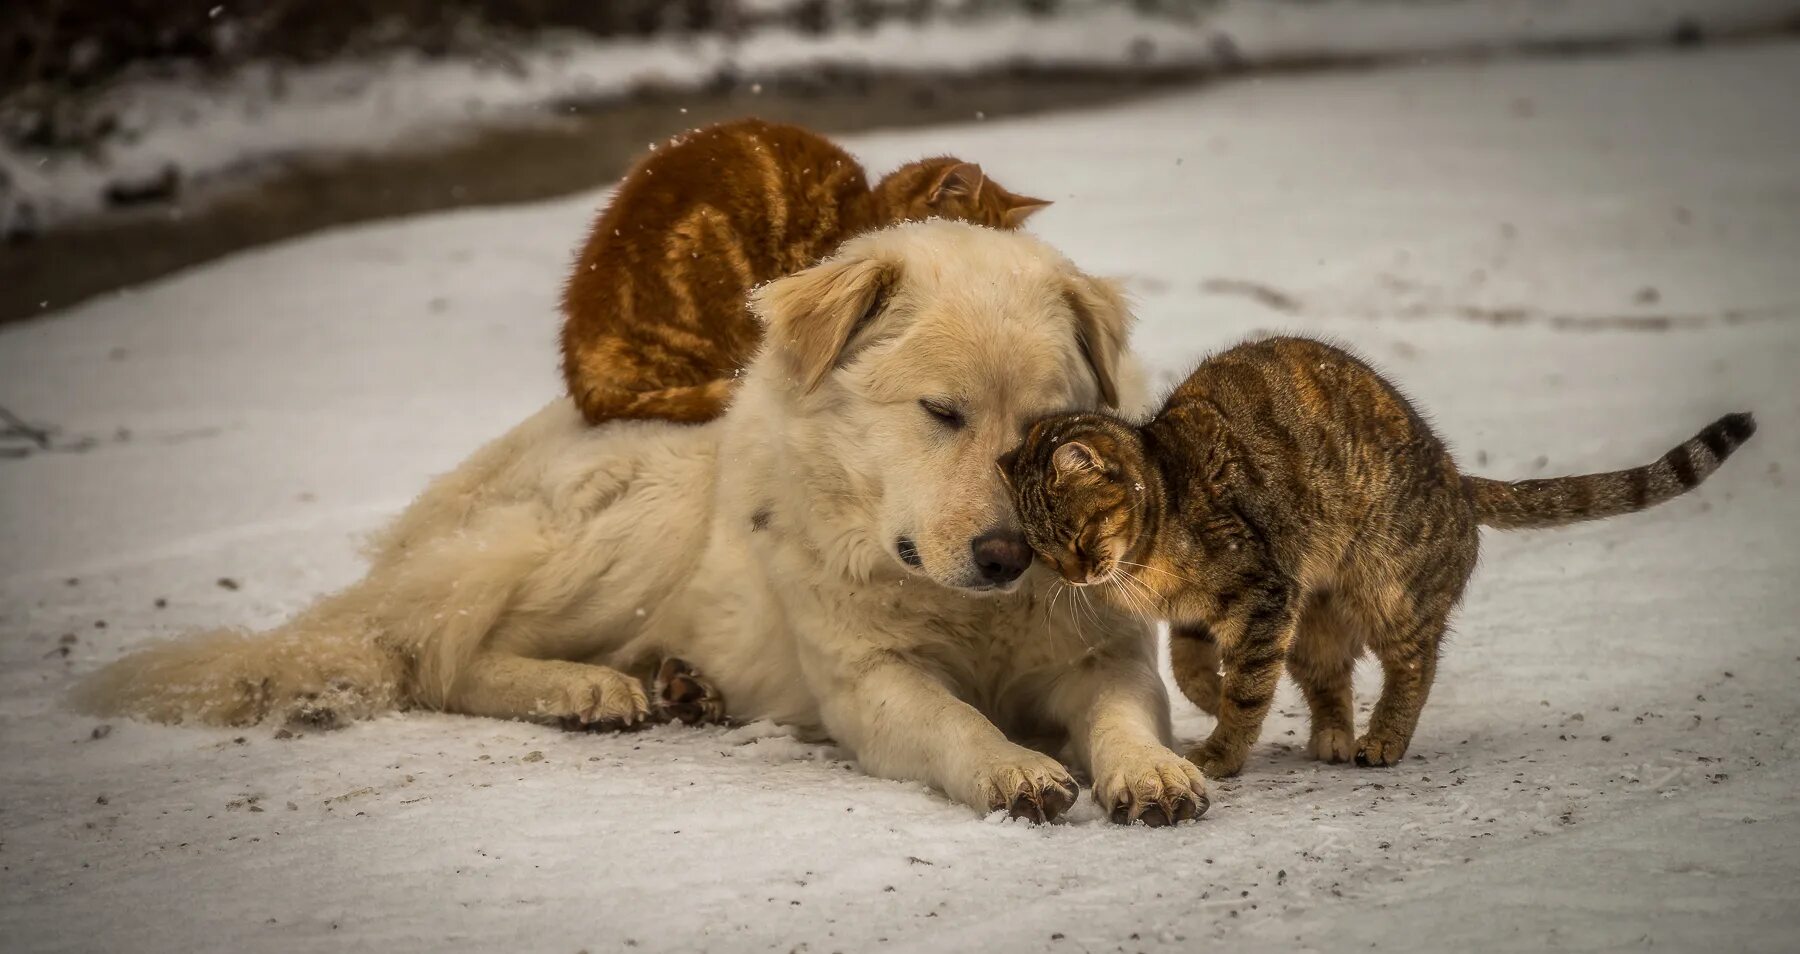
441,580
306,672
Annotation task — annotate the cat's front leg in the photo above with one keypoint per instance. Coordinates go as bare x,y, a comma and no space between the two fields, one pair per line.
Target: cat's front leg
903,723
1254,640
1118,717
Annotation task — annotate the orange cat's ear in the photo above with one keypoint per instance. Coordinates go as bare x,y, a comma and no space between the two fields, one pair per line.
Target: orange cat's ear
964,180
1102,326
1074,458
1021,207
813,315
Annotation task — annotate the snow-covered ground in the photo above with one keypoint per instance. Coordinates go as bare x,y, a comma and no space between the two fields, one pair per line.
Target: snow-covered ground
205,128
1572,265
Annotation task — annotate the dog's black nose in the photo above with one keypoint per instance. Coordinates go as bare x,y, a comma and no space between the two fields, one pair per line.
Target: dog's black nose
1001,556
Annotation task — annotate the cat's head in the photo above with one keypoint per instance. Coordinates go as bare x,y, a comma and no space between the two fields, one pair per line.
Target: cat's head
1079,486
945,187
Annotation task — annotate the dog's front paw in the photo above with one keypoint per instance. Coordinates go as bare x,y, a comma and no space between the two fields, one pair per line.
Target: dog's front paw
1028,785
597,699
1216,759
1152,785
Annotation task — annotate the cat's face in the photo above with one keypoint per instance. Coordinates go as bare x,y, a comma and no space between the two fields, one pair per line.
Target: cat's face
1077,489
947,188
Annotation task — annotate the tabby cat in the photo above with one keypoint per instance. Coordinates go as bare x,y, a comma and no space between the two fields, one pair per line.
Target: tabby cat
655,324
1288,504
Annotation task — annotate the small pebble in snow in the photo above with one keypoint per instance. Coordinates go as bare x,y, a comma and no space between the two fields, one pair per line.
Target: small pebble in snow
101,731
68,639
72,581
101,800
1056,937
227,583
162,603
1606,738
99,624
533,756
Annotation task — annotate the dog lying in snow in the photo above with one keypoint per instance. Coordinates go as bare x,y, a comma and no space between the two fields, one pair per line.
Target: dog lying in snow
837,553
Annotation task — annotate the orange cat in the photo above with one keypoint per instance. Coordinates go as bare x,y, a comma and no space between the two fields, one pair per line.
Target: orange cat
654,319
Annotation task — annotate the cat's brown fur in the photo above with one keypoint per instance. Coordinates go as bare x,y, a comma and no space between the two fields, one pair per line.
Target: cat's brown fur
655,323
1288,504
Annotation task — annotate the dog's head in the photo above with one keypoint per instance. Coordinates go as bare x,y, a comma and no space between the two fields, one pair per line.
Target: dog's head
911,360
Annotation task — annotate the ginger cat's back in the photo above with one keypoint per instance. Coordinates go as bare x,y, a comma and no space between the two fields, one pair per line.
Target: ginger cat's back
655,323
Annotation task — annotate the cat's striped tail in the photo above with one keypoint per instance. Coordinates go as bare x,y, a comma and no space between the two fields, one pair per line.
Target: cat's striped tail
1555,501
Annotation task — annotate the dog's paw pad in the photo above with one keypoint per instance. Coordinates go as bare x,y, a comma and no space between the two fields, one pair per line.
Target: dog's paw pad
681,694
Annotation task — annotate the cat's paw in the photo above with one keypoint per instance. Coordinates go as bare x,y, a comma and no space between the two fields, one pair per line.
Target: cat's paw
1217,760
1332,745
1154,786
598,699
1373,751
682,694
1028,785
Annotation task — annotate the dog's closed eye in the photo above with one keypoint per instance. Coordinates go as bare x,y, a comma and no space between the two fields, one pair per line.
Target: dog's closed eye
949,416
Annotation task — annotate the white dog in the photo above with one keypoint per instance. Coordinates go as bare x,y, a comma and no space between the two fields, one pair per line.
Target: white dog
837,553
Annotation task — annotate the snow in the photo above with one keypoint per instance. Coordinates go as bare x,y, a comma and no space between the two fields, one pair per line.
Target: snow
1606,761
206,129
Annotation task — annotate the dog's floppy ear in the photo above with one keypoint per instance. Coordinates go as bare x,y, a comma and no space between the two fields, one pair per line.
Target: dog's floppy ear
813,315
1102,326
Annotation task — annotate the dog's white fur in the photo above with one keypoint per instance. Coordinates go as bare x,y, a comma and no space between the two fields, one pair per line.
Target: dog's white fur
762,549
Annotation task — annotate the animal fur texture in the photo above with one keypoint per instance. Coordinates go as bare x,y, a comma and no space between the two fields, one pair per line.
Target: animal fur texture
655,323
1289,505
817,552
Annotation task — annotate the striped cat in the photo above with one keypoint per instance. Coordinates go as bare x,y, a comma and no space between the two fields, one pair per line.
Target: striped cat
655,323
1288,505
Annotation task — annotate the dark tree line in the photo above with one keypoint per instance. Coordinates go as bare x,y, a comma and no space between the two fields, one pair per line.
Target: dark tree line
78,43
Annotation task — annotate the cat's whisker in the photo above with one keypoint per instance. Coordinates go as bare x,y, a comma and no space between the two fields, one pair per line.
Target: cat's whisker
1143,598
1080,630
1062,585
1159,569
1132,591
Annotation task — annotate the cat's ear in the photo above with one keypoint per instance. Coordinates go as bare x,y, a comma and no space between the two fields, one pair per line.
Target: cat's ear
1005,466
1102,327
963,180
813,315
1072,458
1019,208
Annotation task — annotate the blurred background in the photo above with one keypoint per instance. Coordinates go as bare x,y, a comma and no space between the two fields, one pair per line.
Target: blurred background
141,136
